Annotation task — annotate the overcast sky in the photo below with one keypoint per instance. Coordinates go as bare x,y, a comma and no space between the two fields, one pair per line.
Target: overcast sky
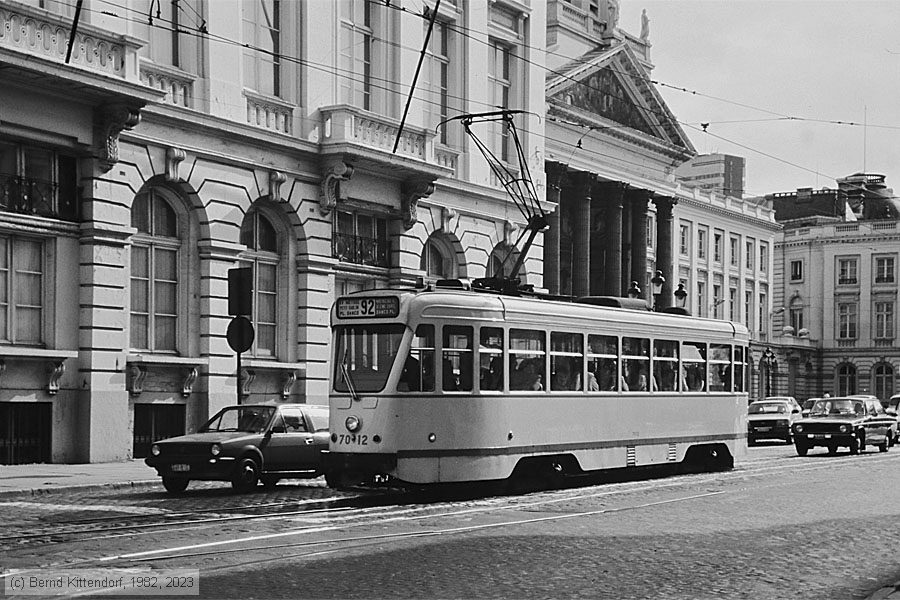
757,62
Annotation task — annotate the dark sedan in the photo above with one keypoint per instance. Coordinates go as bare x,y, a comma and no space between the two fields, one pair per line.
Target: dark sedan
845,422
246,444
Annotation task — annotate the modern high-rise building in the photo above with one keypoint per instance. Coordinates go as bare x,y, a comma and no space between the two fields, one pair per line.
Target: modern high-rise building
721,173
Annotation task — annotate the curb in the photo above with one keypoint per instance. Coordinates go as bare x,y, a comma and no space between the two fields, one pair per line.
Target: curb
50,490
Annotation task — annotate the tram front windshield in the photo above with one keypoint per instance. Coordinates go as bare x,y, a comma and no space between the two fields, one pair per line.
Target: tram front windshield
364,354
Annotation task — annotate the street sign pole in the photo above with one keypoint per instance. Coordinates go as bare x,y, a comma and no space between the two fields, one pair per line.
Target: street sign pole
240,336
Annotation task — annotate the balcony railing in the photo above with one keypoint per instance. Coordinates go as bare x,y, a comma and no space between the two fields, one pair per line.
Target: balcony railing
847,281
884,279
361,250
178,85
34,31
35,197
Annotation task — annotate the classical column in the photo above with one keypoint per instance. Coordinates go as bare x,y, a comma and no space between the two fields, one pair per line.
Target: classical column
612,195
581,251
638,200
555,173
664,249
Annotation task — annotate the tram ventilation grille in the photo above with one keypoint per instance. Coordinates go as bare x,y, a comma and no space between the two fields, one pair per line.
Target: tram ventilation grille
672,455
630,456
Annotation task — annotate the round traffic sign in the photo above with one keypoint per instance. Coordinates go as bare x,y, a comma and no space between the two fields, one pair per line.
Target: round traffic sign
240,334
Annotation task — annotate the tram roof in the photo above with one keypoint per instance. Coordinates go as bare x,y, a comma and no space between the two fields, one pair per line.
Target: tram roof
538,311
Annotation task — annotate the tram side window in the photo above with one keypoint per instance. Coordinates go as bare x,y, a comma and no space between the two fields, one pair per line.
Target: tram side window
603,368
636,363
418,369
693,366
457,359
739,369
566,361
665,365
490,359
527,358
719,368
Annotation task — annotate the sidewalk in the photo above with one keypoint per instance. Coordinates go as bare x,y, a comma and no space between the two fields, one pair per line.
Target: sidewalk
37,479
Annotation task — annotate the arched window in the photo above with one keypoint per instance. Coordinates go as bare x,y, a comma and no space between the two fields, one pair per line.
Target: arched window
154,273
258,234
846,379
503,259
883,375
438,259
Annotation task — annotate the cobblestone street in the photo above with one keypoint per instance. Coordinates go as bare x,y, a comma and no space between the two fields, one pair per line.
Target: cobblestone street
778,526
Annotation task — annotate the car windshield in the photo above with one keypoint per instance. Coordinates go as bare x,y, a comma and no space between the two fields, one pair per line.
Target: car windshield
252,419
758,408
837,407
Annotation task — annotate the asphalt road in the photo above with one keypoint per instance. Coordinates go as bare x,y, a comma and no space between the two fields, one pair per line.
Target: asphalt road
777,526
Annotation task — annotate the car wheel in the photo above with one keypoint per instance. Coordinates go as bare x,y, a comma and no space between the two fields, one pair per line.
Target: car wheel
751,442
802,449
247,475
789,439
832,448
854,445
883,446
175,485
269,481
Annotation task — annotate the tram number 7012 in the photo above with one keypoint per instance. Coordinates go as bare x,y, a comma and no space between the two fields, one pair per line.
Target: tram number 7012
358,440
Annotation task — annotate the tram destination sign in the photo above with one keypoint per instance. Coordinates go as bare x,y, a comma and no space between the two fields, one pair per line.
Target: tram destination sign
359,308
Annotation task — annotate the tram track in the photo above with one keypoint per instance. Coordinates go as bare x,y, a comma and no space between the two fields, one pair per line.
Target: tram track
363,511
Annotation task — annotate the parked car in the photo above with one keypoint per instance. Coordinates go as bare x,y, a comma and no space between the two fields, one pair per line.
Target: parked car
845,421
771,419
246,444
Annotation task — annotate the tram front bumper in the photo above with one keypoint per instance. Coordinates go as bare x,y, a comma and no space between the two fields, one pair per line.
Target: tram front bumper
350,467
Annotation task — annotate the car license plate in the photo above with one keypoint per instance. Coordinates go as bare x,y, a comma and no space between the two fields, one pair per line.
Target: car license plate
181,468
764,429
822,436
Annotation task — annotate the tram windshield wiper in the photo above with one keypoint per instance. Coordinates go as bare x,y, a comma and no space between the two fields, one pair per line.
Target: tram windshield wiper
345,373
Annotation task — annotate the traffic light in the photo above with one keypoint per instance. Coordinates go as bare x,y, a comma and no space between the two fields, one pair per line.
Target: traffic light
240,291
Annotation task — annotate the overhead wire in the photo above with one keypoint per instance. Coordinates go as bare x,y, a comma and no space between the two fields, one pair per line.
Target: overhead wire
337,71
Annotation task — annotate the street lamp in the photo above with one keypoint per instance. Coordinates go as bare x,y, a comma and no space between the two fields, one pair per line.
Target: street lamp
681,296
634,291
657,285
770,363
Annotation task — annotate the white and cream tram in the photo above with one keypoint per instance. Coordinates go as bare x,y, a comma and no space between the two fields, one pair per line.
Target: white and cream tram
440,385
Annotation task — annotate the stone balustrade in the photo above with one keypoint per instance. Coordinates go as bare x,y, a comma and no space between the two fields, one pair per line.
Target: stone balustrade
178,85
38,33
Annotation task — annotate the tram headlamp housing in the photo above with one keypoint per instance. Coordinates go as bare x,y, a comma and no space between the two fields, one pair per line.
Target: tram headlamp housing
215,449
353,423
154,450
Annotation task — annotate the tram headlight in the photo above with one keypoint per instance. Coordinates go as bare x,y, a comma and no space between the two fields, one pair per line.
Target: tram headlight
353,424
154,450
215,449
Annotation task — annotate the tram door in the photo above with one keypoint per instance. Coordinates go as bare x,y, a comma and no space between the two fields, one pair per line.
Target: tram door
154,422
25,432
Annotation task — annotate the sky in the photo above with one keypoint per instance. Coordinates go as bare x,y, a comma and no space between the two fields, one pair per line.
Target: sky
771,77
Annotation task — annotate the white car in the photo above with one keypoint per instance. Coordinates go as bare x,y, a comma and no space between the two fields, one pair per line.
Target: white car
771,419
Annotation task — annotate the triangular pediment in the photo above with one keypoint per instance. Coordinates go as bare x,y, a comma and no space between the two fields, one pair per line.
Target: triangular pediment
612,86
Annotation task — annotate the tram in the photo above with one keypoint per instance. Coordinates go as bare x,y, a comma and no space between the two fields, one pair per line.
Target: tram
447,385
